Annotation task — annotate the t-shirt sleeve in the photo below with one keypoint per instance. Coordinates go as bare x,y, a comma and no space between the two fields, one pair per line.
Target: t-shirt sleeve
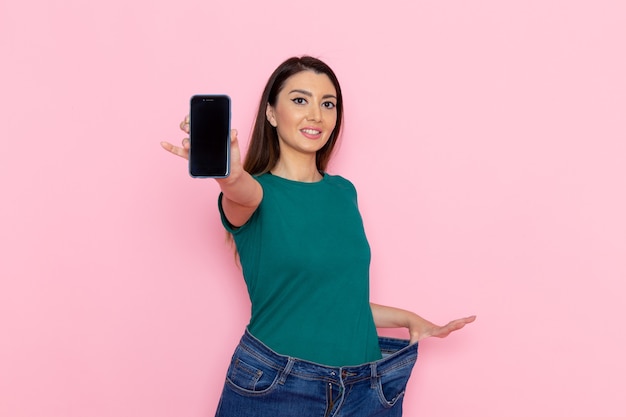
227,225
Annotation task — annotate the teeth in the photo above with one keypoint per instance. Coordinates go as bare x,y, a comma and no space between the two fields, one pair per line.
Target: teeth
311,131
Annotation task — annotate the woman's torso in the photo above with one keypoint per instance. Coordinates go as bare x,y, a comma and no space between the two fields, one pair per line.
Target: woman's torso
305,259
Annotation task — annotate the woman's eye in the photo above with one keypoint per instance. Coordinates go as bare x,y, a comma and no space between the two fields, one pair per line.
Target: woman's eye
329,105
299,100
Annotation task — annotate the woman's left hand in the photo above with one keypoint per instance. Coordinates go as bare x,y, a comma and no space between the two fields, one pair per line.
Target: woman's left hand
420,328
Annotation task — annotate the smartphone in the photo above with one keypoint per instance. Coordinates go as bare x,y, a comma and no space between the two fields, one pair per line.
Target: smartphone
209,136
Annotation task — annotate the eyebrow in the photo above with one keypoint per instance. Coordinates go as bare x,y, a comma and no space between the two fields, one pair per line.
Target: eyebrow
309,94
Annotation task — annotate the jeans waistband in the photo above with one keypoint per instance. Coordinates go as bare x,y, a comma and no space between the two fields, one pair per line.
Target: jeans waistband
396,353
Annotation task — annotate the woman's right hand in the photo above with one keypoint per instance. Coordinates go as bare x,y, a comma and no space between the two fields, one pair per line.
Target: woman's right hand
236,168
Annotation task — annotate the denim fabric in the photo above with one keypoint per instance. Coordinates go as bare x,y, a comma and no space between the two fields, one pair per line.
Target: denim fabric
262,383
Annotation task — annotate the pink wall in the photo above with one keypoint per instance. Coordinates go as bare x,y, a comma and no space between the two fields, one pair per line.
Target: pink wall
486,139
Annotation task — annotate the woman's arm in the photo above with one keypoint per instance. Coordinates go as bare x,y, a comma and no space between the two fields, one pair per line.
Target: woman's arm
242,193
419,328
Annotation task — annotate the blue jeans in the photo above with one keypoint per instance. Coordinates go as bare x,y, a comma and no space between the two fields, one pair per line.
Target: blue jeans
263,383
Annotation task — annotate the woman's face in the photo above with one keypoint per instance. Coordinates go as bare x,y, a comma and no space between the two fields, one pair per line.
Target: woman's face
305,113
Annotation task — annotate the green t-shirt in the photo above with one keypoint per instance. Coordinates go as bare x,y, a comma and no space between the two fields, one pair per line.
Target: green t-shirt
305,260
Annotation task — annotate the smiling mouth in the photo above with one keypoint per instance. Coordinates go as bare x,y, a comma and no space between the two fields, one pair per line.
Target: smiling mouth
311,131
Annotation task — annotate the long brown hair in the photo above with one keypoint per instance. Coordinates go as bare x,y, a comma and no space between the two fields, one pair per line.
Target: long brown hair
264,151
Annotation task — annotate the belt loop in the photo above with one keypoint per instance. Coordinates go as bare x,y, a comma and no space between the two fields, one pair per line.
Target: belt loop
373,375
286,370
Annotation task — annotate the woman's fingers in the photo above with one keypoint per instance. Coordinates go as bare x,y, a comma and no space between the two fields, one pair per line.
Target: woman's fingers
453,326
184,125
176,150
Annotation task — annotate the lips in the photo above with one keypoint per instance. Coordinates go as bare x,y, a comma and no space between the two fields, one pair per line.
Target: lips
311,133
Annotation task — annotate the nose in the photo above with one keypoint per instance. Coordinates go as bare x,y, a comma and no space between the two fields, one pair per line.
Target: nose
314,113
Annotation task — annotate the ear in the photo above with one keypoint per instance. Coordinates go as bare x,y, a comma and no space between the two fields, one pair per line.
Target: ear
269,113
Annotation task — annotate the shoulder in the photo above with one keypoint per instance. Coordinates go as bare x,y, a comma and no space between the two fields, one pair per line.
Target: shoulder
262,178
340,182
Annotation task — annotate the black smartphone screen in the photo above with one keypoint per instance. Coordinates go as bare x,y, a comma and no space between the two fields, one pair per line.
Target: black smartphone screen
209,154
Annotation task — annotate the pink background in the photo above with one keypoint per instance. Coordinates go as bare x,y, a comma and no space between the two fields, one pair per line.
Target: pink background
487,140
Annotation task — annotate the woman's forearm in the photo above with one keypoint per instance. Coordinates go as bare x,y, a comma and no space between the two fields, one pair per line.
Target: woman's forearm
419,328
385,316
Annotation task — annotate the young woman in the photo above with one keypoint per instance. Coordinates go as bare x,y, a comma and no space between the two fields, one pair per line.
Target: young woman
311,347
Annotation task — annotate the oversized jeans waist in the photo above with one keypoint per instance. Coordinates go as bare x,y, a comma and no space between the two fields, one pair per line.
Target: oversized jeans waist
397,353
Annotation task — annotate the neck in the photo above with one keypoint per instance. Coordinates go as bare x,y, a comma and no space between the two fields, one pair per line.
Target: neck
302,171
